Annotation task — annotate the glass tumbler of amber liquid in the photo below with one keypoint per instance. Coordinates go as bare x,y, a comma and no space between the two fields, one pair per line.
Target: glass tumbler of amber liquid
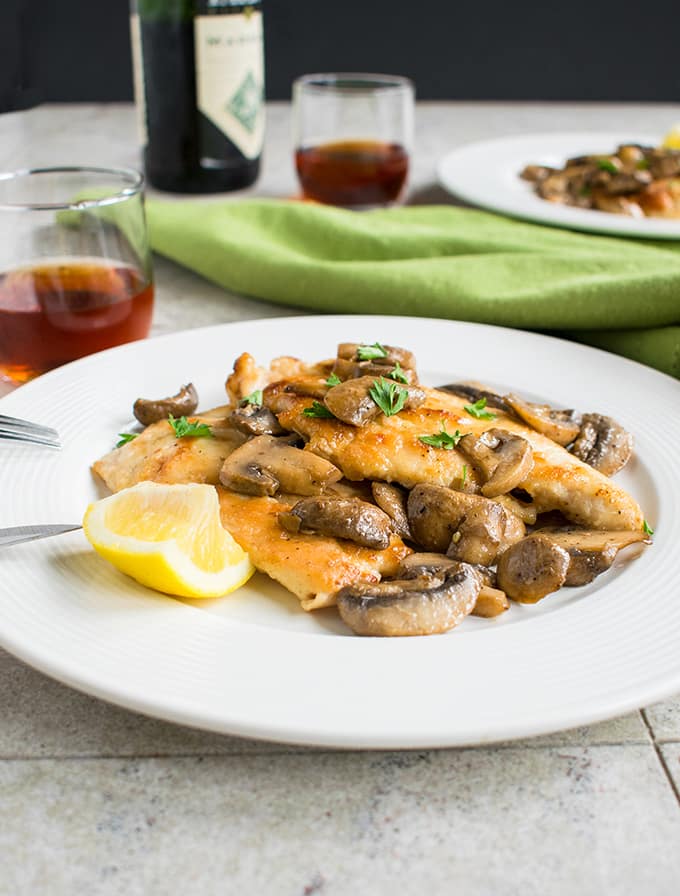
75,269
353,135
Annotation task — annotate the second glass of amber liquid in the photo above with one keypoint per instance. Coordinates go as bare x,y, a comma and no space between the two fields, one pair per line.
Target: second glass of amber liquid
75,269
353,135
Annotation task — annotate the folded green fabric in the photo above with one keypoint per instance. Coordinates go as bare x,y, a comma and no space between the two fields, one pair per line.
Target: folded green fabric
435,261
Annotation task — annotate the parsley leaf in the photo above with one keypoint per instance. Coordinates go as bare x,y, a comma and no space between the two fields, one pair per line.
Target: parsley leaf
642,164
371,352
333,380
389,397
254,398
463,478
125,437
317,409
607,165
477,410
397,373
646,528
442,439
184,429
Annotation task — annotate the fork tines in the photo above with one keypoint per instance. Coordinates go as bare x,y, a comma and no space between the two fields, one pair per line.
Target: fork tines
13,429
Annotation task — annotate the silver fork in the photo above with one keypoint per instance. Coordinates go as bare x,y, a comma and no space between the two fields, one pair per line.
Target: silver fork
13,429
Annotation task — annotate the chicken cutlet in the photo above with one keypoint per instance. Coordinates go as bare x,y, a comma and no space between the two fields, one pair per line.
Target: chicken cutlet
390,449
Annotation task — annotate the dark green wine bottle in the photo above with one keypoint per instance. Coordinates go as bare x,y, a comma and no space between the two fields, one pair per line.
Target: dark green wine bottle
199,87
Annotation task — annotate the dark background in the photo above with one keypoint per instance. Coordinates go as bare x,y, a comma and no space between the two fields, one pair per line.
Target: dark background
78,50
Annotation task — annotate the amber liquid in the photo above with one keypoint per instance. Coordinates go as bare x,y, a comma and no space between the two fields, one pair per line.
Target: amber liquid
353,173
59,310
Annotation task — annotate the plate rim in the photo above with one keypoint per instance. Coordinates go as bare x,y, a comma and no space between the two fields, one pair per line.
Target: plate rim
112,693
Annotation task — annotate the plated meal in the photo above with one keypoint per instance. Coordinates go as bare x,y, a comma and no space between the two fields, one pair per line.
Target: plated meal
406,507
635,180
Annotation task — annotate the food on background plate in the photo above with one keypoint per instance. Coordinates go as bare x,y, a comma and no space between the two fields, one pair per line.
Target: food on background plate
407,507
639,181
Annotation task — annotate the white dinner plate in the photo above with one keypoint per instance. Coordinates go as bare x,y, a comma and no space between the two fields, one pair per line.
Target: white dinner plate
254,663
487,174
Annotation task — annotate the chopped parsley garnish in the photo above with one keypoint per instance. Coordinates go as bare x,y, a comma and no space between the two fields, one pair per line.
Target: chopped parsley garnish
463,478
607,165
389,397
333,380
397,373
585,191
646,528
371,352
443,439
189,430
477,410
125,437
642,164
317,409
254,398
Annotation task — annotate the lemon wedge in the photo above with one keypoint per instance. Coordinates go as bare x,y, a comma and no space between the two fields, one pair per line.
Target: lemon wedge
170,538
672,138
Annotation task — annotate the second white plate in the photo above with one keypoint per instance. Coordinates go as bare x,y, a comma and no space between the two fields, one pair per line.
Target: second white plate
487,174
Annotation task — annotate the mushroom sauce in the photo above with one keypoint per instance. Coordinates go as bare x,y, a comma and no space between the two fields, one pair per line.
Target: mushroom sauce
407,507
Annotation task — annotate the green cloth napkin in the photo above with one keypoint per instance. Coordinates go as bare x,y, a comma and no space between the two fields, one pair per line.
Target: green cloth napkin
435,261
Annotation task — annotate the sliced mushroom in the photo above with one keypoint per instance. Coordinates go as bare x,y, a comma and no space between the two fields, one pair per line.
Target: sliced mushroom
265,465
467,527
490,600
392,499
346,370
428,604
350,352
350,518
559,425
255,420
313,387
474,393
603,444
523,510
591,552
502,458
351,401
532,568
479,535
149,411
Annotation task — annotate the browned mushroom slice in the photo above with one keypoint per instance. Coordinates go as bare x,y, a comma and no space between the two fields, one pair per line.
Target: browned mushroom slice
351,401
428,604
392,499
350,351
536,173
559,425
591,552
149,411
345,369
523,510
616,205
502,458
603,444
490,602
349,518
309,386
474,393
265,465
467,527
532,568
255,420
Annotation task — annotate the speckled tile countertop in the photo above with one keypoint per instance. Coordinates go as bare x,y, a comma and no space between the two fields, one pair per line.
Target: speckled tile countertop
97,800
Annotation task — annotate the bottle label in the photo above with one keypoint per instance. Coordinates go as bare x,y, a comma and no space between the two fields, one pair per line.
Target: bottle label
138,77
230,76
